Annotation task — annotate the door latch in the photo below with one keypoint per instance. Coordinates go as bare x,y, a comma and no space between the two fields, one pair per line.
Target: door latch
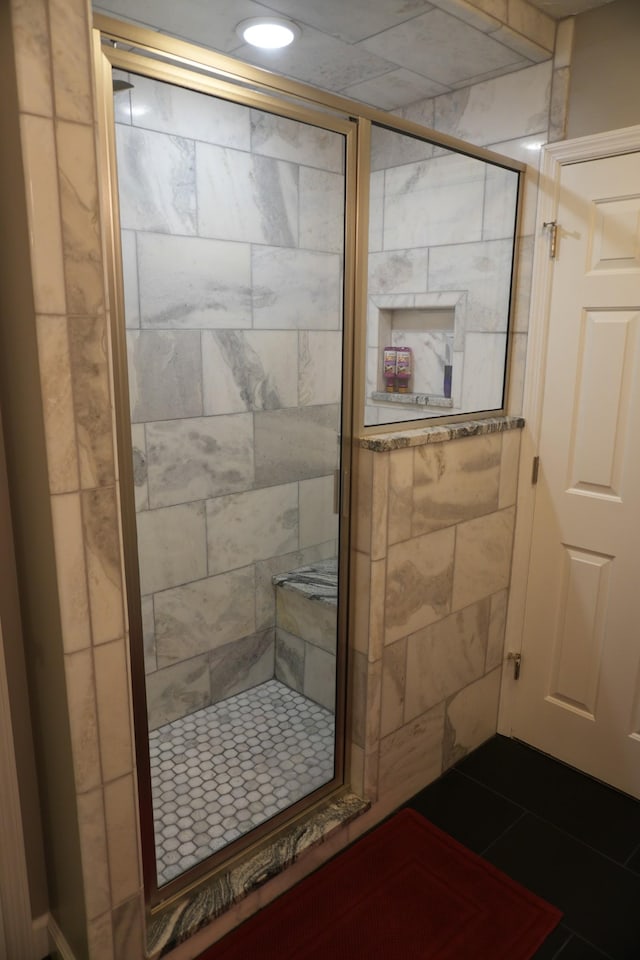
535,469
517,661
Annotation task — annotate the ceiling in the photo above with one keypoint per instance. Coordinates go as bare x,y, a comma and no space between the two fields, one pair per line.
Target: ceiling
387,53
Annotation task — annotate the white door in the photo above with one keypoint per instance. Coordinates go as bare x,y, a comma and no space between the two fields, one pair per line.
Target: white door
578,697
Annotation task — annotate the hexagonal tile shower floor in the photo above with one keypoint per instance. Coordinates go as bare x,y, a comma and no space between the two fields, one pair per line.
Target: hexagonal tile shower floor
218,773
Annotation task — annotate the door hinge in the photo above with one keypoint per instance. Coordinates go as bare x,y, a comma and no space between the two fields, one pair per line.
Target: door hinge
553,237
535,467
517,662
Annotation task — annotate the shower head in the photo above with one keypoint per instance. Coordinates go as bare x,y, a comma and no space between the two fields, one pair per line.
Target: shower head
119,85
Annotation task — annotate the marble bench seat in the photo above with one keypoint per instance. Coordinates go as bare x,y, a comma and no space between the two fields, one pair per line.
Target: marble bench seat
306,621
317,581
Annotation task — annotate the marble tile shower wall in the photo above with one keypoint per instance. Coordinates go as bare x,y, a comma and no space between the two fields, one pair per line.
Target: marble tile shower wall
440,231
430,572
514,115
232,247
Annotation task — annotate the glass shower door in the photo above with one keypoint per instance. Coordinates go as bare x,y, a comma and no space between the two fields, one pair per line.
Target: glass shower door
232,247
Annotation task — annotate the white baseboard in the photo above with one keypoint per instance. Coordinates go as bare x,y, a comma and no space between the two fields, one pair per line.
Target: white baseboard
58,941
40,935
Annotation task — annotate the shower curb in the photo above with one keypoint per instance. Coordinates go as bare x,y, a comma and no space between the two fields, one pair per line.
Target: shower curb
184,918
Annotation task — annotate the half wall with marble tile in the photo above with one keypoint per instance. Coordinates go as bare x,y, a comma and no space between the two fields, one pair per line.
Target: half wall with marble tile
232,242
431,572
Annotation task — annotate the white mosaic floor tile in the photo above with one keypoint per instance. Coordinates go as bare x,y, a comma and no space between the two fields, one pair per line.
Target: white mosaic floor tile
218,773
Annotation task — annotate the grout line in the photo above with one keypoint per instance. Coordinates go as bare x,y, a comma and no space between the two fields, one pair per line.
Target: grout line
571,934
618,863
582,940
635,850
486,786
504,832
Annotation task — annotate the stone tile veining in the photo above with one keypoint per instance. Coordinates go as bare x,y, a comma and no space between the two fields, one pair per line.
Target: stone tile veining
419,583
199,458
200,616
157,177
317,581
193,282
245,197
249,370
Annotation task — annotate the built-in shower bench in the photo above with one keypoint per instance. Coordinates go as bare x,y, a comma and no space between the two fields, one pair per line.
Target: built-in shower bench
306,629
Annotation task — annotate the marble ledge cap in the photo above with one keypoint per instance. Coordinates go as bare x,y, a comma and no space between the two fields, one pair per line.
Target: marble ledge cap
438,434
186,916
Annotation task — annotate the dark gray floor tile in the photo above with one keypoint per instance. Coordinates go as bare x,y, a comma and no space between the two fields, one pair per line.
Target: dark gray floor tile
633,863
554,943
466,810
599,898
588,810
577,949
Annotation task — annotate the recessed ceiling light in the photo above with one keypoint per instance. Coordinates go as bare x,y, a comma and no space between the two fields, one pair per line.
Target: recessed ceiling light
270,33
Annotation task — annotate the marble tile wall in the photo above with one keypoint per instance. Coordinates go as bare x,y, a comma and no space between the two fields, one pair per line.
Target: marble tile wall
232,226
306,642
461,245
514,115
431,569
58,138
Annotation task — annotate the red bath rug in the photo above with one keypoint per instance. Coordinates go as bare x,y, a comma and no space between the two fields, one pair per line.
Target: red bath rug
405,891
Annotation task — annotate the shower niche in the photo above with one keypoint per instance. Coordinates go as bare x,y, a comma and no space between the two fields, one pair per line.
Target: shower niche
428,333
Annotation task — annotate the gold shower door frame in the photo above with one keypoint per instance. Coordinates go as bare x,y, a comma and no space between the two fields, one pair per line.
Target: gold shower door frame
180,72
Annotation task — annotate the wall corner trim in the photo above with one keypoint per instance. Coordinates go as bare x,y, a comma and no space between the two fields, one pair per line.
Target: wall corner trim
40,934
58,940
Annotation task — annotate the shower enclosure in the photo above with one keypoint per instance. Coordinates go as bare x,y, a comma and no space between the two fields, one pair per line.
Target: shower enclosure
238,208
232,234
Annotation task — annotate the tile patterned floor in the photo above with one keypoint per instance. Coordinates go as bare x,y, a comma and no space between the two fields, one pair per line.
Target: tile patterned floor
220,772
567,837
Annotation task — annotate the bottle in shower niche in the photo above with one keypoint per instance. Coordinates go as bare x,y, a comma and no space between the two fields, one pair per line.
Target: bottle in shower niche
404,368
389,359
447,379
448,368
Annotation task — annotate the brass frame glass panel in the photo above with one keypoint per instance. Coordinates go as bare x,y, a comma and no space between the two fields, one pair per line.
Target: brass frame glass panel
154,55
206,62
462,178
176,75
